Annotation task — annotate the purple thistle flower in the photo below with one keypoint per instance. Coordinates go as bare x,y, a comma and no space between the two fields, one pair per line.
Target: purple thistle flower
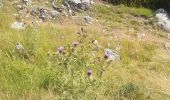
89,72
60,49
75,44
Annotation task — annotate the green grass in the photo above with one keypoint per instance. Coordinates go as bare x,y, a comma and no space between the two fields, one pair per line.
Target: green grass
107,10
117,16
40,73
143,12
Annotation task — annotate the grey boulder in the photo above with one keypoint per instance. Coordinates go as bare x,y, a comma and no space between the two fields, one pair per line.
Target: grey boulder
162,19
111,55
18,25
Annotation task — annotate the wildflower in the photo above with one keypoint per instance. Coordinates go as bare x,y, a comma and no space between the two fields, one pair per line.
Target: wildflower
60,49
89,72
88,19
75,44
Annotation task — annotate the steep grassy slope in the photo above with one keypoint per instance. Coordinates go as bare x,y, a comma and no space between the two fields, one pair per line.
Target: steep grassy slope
40,73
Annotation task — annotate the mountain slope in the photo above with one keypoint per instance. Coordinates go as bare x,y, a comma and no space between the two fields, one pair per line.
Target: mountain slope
33,65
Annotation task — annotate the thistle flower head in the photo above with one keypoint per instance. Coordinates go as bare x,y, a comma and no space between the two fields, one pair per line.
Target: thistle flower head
89,72
60,49
75,44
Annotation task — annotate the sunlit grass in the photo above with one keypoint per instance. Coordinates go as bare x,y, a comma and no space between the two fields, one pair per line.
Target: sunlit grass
40,72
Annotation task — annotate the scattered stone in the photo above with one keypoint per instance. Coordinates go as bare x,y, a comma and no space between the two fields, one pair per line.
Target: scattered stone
42,14
82,6
55,13
162,19
161,10
111,55
69,9
55,7
88,19
18,25
19,47
25,3
78,4
64,10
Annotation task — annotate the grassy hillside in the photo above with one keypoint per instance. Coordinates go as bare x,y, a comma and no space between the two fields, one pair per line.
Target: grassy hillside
39,72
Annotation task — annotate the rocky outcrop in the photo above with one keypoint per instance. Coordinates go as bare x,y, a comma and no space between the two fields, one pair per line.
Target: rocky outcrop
78,4
162,19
